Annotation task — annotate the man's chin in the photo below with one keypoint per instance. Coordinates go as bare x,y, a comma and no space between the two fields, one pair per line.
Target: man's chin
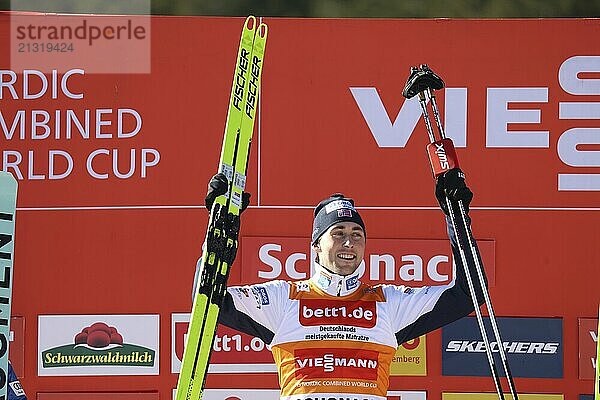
346,269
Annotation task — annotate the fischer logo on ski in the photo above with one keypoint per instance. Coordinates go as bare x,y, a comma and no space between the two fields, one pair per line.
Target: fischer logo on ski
224,222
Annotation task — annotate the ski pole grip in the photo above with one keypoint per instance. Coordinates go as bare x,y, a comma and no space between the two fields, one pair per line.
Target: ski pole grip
442,156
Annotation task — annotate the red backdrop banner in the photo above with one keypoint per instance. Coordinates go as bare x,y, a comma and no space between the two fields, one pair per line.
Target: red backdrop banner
113,167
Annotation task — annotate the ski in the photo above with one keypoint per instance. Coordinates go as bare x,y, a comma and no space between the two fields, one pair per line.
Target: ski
8,203
223,227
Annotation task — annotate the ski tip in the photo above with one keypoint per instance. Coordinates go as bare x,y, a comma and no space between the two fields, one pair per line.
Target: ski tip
262,30
250,22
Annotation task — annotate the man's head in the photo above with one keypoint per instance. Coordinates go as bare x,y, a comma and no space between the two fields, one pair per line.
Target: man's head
339,235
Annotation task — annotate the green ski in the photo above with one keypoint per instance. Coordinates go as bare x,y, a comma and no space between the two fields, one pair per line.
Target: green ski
223,226
8,203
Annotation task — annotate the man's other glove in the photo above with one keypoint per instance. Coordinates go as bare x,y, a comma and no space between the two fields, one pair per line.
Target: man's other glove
451,184
217,186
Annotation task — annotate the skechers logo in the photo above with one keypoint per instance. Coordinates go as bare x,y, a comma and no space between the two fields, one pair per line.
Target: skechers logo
314,312
468,346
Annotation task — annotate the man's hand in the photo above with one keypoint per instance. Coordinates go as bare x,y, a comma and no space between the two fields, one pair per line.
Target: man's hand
217,186
451,184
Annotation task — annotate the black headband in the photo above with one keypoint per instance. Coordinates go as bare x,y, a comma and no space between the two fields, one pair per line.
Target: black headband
332,210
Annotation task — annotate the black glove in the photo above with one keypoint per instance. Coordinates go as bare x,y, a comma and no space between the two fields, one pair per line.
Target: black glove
451,184
217,186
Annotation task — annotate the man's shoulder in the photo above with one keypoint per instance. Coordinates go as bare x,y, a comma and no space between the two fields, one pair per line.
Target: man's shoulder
15,391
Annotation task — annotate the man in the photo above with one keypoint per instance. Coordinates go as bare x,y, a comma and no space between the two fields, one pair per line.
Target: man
333,336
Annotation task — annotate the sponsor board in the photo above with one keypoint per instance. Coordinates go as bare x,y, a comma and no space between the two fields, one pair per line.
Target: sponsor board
269,394
494,396
533,346
98,396
98,345
559,87
413,262
233,351
588,340
410,358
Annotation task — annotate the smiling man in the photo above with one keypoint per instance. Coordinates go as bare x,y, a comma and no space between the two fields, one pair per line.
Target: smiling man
333,336
338,236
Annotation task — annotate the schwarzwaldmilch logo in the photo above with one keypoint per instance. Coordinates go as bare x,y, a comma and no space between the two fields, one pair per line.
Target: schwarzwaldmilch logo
96,345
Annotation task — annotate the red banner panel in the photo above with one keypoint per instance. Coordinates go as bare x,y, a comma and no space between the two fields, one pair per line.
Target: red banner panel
113,163
17,345
588,344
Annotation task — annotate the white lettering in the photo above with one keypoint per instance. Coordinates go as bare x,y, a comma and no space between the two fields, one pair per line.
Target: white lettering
499,116
147,162
90,160
412,271
115,160
8,84
572,67
329,312
453,346
19,121
100,123
14,165
389,266
35,124
396,134
510,347
329,362
432,268
290,266
64,83
30,173
71,118
455,116
386,133
138,122
567,147
31,72
271,261
52,154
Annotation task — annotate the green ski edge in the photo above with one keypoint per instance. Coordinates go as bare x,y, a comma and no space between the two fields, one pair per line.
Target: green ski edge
222,241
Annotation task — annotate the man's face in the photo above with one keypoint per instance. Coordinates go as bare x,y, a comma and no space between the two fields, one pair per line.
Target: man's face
341,248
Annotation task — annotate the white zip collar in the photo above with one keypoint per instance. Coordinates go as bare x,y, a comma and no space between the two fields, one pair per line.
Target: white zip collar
334,284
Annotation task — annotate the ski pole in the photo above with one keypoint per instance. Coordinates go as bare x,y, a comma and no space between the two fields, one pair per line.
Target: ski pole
477,262
442,156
